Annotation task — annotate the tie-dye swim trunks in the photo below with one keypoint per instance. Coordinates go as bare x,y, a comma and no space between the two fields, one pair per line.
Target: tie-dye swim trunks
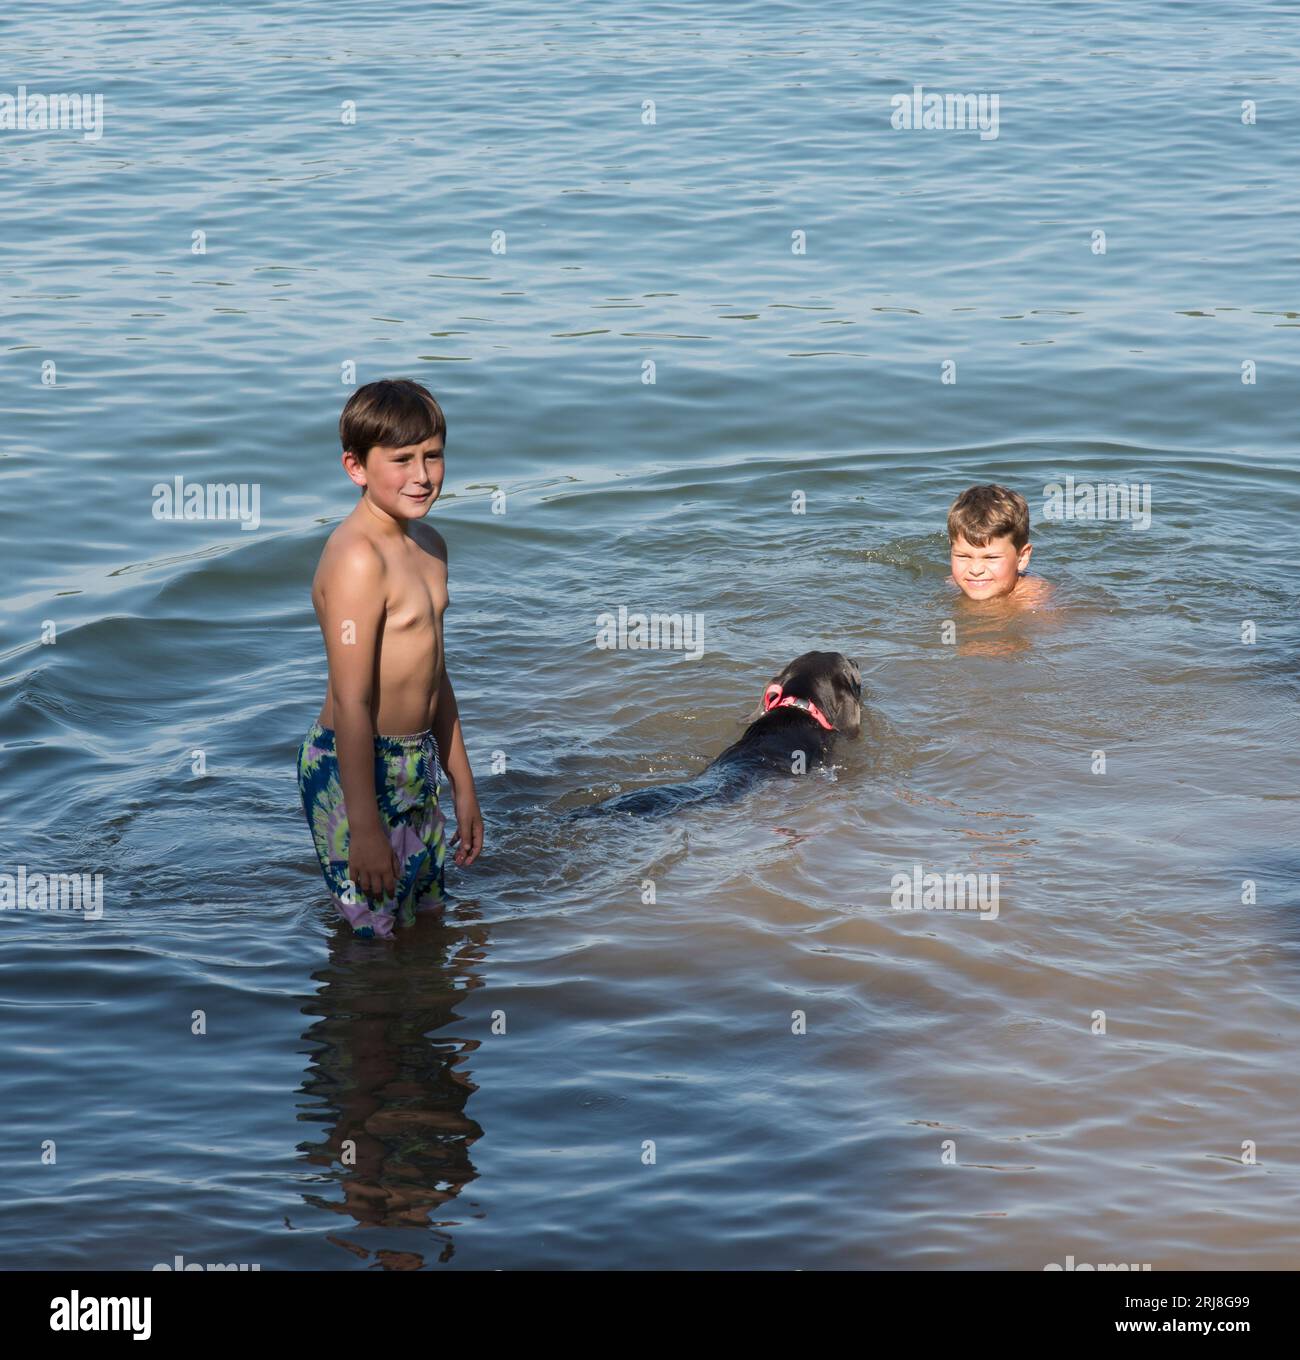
407,781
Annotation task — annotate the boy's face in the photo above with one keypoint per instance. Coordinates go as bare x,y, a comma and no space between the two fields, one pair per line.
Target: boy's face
402,482
988,572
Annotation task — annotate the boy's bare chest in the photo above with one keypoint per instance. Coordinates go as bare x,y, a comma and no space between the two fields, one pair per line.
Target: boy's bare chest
417,594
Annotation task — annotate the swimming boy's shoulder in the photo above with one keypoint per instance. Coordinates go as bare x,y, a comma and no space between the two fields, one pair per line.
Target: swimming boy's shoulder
1032,592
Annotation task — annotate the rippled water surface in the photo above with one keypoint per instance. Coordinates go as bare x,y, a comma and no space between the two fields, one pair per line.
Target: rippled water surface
951,1104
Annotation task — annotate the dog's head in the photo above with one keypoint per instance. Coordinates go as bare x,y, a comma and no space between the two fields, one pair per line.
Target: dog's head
828,679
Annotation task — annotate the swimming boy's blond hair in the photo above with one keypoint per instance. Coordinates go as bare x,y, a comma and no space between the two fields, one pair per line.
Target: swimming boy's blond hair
982,513
393,412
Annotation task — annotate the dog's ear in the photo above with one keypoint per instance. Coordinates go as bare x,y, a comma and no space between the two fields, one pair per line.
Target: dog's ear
855,675
846,683
822,685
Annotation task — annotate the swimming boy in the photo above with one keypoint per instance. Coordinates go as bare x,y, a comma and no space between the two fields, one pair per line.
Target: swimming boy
988,530
369,768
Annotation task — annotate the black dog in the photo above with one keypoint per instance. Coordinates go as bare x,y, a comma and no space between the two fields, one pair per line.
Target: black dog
814,700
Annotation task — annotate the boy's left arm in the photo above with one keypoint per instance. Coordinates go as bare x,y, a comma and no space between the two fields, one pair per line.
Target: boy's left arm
455,760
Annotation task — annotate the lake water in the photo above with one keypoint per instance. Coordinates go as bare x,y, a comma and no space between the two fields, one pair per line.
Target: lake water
950,1105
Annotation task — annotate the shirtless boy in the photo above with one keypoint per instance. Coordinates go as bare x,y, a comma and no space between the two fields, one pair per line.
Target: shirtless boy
988,530
369,768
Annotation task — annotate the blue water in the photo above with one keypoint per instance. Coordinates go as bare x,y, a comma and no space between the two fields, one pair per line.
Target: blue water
330,247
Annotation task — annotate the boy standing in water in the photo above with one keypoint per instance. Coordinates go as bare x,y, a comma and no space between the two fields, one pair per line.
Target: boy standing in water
369,769
988,529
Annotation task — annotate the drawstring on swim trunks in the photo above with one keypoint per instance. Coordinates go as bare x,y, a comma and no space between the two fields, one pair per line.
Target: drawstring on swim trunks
432,768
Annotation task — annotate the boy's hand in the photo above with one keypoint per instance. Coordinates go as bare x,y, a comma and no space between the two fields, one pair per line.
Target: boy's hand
372,864
469,828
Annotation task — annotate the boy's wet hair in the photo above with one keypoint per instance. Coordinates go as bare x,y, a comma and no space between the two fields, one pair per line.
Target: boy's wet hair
394,412
982,513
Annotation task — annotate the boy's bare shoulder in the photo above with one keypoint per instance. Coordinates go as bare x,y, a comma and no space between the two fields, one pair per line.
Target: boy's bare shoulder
351,552
1033,592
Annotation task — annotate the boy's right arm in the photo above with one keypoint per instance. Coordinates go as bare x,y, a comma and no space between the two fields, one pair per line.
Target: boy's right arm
354,593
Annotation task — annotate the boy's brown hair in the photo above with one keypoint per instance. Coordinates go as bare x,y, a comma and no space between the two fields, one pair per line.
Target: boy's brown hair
394,412
982,513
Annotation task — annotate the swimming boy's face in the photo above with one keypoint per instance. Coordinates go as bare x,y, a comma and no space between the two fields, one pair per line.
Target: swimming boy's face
988,572
402,482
